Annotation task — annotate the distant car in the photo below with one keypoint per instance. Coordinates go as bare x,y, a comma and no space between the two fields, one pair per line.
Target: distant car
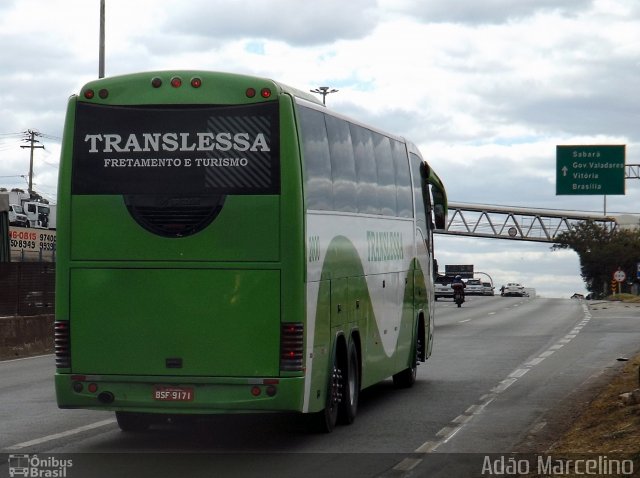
442,286
513,289
488,288
474,287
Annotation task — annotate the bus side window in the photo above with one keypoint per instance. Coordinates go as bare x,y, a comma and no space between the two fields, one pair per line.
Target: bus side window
343,167
403,179
317,163
386,175
365,170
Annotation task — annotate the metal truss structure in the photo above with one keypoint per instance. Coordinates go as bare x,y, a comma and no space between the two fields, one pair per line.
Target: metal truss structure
632,171
503,222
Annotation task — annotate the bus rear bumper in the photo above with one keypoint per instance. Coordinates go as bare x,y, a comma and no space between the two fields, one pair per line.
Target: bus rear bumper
179,395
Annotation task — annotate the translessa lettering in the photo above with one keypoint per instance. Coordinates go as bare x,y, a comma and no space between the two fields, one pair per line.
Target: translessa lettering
175,163
109,143
384,246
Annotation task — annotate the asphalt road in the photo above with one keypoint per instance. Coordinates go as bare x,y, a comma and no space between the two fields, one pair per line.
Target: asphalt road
500,367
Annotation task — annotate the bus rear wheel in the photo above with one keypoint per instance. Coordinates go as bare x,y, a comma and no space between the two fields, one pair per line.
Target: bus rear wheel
325,420
407,377
349,403
132,422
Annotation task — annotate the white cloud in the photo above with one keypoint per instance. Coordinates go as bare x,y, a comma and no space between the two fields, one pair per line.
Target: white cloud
294,22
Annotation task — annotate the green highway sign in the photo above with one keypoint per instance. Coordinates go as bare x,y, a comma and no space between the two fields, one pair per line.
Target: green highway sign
590,169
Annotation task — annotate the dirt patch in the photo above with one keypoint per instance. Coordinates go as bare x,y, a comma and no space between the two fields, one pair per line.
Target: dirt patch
607,425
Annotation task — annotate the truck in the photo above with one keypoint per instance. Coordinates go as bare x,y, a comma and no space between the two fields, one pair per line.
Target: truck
37,210
17,217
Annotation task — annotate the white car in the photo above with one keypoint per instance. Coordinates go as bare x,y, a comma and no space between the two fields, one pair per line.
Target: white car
488,288
513,288
442,287
474,287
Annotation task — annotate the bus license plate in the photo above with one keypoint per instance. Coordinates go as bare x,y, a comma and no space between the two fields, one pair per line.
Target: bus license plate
173,394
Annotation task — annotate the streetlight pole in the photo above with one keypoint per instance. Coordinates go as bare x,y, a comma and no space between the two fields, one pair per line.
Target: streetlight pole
324,91
101,47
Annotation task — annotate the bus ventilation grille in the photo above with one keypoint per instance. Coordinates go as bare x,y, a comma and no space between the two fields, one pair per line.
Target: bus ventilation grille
291,347
61,343
174,216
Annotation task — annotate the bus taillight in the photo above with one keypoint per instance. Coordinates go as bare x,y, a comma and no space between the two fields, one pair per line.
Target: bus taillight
89,94
176,82
265,93
62,343
291,347
196,82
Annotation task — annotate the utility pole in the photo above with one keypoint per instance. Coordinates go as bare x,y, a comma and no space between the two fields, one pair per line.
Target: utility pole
32,140
324,91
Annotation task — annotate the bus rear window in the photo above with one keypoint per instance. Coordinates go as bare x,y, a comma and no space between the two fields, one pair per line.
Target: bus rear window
176,150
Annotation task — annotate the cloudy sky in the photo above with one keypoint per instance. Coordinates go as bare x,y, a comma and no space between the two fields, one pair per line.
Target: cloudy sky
487,89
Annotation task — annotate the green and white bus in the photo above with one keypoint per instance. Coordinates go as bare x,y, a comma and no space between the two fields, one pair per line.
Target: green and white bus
226,244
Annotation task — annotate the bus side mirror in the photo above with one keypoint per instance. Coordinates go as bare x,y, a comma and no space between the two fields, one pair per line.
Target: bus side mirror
440,216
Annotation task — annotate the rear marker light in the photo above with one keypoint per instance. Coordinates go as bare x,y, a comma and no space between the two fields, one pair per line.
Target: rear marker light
265,92
156,82
62,335
93,388
103,93
196,82
291,347
176,82
89,94
255,391
251,92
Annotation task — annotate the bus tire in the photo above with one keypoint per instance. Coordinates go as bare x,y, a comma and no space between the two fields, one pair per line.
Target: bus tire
325,420
351,389
132,422
407,377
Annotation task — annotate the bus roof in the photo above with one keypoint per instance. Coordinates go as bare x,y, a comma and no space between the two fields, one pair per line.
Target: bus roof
186,75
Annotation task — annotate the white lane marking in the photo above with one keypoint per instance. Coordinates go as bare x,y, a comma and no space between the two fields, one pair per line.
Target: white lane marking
408,464
502,386
535,361
519,372
67,433
463,321
461,419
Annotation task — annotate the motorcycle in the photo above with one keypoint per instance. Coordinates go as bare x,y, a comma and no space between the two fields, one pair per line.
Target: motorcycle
458,294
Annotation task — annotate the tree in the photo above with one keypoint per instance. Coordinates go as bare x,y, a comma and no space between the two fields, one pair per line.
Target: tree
601,252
